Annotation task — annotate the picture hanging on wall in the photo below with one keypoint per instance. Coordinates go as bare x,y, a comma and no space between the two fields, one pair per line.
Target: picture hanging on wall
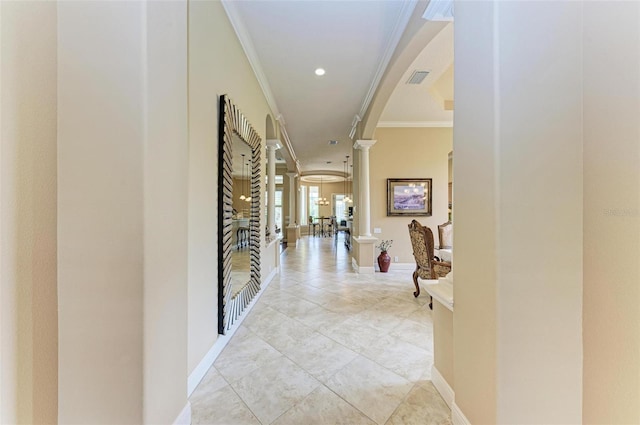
410,197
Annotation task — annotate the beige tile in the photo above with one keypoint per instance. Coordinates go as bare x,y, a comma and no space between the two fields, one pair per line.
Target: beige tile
222,407
401,357
371,388
323,407
274,388
320,356
422,406
319,317
353,334
288,333
211,383
243,356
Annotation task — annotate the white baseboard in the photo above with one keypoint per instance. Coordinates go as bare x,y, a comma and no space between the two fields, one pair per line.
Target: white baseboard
457,417
184,418
442,386
207,361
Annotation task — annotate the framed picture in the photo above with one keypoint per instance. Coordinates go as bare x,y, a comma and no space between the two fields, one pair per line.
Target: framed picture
409,197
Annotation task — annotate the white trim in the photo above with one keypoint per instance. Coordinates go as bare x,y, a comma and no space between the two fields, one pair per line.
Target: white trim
442,386
394,39
439,10
415,124
207,361
457,417
184,418
252,56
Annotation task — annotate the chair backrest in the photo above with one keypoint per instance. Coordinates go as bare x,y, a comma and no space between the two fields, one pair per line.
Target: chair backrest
445,234
422,243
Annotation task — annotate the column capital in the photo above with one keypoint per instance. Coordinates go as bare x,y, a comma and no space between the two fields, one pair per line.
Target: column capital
292,174
364,144
274,144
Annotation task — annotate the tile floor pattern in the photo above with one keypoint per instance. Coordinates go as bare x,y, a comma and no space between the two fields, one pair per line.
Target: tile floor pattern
325,345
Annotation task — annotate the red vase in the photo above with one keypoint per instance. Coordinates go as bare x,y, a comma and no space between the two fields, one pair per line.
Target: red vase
384,261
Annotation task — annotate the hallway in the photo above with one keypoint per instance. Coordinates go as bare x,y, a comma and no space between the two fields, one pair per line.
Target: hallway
325,345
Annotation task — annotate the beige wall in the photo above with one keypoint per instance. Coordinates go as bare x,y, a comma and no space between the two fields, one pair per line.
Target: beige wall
474,211
443,342
521,360
122,204
611,317
408,153
165,213
217,65
28,269
100,221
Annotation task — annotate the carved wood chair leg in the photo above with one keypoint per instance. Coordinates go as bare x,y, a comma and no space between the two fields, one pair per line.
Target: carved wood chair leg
431,303
415,282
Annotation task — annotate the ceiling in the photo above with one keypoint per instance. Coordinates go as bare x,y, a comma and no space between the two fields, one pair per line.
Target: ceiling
286,41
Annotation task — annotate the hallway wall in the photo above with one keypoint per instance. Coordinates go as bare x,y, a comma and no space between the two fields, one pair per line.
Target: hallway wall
122,168
611,317
217,65
28,267
546,324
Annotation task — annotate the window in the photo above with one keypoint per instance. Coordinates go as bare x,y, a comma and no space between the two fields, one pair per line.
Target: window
278,207
313,201
339,207
303,205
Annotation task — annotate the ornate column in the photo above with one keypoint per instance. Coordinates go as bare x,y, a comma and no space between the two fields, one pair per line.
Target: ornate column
364,243
272,146
365,199
292,228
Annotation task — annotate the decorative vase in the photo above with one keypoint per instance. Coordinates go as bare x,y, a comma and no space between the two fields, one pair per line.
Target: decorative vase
384,261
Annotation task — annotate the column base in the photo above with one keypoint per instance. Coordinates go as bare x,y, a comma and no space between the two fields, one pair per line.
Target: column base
293,234
363,254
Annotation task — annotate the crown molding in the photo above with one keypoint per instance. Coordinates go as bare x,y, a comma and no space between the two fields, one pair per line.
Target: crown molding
394,39
439,10
250,51
415,124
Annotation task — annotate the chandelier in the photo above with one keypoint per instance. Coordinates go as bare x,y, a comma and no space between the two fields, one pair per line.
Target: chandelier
321,201
347,198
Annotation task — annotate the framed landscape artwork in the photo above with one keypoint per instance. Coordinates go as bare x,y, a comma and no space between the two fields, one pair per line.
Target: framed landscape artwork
409,197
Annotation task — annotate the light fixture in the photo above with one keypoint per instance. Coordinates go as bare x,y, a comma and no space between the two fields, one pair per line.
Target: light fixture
321,201
242,197
248,198
347,198
320,72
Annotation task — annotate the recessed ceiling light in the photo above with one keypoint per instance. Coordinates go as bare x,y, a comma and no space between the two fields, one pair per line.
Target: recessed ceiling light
320,72
333,142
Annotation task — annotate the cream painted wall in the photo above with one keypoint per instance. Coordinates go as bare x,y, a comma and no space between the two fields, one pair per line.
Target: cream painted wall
122,209
516,151
443,342
578,154
100,211
166,161
474,210
611,317
217,65
408,153
28,269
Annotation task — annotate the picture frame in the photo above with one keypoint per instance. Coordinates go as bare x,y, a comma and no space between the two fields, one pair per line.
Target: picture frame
409,197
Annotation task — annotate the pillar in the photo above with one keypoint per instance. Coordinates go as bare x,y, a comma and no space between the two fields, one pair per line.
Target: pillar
292,228
272,146
364,243
365,198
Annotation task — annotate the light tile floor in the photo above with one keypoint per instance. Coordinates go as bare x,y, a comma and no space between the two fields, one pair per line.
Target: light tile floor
325,345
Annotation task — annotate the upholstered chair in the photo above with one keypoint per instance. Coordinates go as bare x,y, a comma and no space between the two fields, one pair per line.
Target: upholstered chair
426,266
